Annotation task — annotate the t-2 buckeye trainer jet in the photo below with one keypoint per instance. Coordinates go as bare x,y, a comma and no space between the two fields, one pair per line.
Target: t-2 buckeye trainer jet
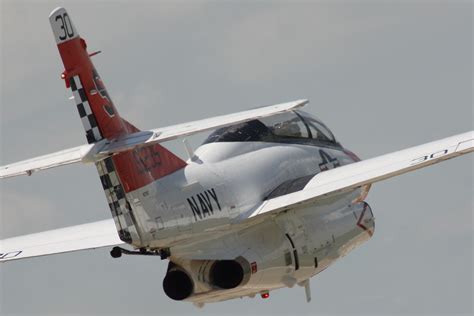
269,200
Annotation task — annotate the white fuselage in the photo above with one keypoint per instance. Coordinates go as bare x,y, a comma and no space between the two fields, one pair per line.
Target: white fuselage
196,213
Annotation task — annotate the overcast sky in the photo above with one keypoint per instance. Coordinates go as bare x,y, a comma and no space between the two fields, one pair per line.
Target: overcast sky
384,75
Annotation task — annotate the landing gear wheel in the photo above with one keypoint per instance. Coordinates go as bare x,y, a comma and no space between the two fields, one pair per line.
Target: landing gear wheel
116,252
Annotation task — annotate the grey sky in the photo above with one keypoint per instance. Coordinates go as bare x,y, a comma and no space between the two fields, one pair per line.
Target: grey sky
384,75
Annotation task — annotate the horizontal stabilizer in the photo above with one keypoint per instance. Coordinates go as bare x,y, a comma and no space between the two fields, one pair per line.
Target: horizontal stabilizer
73,238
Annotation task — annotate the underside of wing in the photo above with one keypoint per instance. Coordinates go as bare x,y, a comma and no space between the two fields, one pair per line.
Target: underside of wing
365,172
73,238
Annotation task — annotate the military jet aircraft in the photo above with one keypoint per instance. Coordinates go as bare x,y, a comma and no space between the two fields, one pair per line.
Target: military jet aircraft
270,199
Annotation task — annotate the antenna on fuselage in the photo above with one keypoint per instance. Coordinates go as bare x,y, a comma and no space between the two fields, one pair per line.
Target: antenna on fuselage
307,289
189,150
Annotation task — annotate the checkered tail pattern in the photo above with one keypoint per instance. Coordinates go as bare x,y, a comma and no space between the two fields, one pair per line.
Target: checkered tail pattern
119,206
87,116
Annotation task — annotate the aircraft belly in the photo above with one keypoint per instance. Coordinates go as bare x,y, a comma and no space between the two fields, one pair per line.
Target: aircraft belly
289,248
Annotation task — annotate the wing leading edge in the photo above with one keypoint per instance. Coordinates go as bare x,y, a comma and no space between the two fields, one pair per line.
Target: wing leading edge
371,170
86,236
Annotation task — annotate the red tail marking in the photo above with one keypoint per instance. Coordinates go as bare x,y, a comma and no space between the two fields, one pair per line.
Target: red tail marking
135,168
77,62
142,166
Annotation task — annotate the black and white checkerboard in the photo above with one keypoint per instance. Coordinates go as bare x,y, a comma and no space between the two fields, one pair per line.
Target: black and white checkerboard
87,117
119,206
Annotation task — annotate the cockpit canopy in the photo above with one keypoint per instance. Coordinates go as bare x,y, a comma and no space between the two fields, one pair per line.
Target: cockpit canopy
288,127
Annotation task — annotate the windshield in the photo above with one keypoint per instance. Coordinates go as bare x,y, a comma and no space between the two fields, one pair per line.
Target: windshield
318,129
286,124
251,131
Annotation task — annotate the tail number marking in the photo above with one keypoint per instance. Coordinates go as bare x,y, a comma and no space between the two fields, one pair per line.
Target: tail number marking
9,255
66,26
147,158
435,155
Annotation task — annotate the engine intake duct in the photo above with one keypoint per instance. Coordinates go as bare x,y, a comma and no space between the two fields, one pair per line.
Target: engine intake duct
226,274
177,284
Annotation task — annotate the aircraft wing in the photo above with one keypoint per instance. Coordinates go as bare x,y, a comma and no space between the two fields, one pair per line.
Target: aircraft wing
73,238
175,131
104,148
60,158
371,170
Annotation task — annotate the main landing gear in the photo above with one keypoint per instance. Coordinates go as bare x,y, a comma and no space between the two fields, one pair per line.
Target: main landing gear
117,252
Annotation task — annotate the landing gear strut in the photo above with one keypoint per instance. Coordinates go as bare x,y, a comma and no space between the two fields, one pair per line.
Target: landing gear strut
117,252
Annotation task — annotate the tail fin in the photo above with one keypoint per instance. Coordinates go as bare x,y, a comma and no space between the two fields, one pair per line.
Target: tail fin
96,109
124,172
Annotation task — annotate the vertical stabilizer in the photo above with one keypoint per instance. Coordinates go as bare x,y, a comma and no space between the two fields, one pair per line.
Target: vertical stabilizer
124,172
96,109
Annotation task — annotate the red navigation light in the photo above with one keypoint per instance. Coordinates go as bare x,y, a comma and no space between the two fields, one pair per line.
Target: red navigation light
64,76
265,295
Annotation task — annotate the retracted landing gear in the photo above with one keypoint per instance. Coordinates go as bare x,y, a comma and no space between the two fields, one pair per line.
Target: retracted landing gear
117,252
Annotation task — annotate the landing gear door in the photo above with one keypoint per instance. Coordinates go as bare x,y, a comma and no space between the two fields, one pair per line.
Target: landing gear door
295,233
